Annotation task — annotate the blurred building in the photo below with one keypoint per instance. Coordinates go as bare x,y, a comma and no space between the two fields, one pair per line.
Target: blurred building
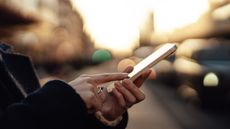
50,32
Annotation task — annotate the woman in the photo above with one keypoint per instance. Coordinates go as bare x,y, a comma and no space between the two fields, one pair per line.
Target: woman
80,104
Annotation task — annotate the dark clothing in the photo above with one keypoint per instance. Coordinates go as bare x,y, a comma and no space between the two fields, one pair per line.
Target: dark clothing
26,106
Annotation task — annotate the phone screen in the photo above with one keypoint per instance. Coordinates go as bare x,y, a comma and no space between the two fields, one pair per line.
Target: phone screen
158,55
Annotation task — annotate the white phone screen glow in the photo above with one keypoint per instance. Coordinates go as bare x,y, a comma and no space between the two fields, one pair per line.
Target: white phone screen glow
152,59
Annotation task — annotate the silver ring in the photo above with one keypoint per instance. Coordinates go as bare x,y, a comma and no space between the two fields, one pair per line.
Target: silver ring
100,89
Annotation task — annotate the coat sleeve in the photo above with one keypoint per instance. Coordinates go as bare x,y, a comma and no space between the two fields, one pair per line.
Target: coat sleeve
55,106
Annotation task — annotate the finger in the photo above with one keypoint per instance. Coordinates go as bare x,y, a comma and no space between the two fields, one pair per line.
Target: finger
128,84
129,97
120,99
129,69
152,74
107,77
140,80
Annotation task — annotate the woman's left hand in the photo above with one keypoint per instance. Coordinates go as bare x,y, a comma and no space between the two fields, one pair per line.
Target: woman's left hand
123,96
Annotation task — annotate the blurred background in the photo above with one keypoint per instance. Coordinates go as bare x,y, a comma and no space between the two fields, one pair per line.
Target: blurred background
66,38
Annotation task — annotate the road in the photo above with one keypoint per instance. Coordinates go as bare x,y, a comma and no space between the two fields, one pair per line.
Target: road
164,109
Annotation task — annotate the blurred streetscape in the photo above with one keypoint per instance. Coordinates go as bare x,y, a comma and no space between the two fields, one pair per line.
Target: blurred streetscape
164,108
67,38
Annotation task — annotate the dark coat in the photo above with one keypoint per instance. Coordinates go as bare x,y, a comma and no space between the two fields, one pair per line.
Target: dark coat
24,105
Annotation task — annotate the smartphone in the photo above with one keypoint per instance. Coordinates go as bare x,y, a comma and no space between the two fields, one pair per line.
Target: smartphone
158,55
161,53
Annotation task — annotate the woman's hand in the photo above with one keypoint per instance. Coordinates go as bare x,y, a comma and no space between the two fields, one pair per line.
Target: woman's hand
125,94
112,105
86,87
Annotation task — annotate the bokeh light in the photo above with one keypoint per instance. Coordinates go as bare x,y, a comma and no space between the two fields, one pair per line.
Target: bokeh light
187,66
144,51
163,66
211,80
222,13
100,56
190,46
65,51
123,64
188,93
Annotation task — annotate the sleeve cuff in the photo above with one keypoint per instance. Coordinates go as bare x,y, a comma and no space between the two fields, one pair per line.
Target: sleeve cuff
54,95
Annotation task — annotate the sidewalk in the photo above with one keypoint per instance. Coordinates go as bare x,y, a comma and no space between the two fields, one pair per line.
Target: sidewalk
149,114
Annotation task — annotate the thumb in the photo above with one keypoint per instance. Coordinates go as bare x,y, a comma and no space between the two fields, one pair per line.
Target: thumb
107,77
129,69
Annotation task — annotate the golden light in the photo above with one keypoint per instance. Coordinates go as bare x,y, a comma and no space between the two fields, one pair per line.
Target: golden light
113,24
123,64
190,46
187,92
187,66
170,15
211,80
116,25
163,66
222,13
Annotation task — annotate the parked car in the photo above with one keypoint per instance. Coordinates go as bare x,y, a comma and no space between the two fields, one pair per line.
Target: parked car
203,66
